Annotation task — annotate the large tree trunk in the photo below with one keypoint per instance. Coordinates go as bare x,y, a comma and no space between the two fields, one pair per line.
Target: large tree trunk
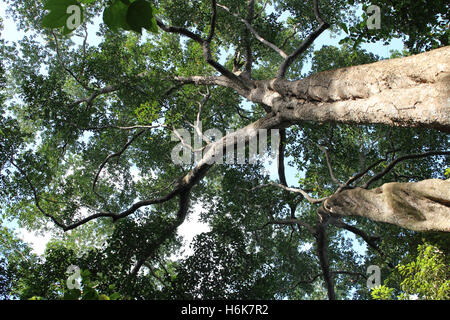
412,91
419,206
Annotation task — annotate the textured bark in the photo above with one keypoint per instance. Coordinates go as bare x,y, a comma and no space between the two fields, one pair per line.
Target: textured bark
412,91
419,206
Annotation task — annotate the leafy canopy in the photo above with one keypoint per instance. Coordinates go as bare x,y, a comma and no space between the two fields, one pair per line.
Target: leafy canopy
85,128
425,278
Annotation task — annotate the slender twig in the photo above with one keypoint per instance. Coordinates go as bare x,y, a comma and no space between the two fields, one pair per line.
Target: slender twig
295,190
330,167
255,33
294,32
186,144
58,54
36,195
305,44
113,155
393,163
358,175
152,272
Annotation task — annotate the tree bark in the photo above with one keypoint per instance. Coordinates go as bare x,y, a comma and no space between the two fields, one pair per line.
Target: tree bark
419,206
412,92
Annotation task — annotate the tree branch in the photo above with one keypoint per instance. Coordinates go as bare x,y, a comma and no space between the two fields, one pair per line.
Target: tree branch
185,183
358,175
322,252
281,148
305,44
213,21
58,54
255,33
248,47
109,157
393,163
295,190
330,167
89,100
181,216
36,196
206,46
314,278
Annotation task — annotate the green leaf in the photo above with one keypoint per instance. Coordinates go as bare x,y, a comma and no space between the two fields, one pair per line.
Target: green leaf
90,294
115,16
54,20
447,172
140,15
343,26
115,296
58,5
73,294
85,274
59,15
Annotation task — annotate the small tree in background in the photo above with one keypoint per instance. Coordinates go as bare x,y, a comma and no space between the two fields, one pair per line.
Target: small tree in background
425,278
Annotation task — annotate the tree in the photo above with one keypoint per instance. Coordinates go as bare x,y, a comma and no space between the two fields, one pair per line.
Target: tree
426,278
89,142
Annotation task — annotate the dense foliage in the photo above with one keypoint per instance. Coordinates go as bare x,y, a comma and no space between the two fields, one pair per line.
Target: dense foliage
424,278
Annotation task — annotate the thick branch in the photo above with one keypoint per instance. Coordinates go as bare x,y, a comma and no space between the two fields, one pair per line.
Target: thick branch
213,21
370,240
281,148
408,92
419,206
188,181
178,30
322,252
358,175
248,46
89,100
